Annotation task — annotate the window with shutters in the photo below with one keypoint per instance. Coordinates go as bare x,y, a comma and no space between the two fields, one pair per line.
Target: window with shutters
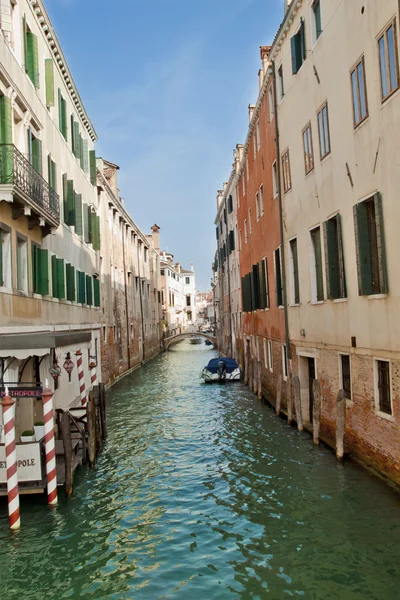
81,287
383,395
35,152
62,115
187,280
70,281
278,277
230,204
323,131
5,256
31,54
334,259
40,270
308,149
49,80
257,207
298,48
281,87
317,283
388,60
316,20
370,247
261,193
92,167
89,290
52,172
22,264
345,375
274,179
287,178
359,93
57,277
294,272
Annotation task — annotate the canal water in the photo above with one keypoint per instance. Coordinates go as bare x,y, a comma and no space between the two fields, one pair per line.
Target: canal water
203,493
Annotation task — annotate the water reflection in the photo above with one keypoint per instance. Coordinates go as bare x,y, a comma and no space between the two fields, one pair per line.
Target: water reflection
201,492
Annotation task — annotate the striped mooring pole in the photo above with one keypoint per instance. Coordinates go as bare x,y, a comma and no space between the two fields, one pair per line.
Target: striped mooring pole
51,471
93,372
8,404
81,377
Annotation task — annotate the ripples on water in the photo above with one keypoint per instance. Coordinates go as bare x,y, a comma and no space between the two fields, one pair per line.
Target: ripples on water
201,492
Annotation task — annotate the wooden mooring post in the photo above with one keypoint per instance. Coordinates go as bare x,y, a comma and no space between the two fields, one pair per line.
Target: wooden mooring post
259,379
279,396
91,423
316,411
103,411
340,424
297,402
68,453
289,400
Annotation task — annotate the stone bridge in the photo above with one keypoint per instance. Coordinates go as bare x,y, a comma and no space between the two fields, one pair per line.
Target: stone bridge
188,334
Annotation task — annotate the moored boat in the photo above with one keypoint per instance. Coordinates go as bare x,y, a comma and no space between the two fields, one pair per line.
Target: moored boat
195,340
221,370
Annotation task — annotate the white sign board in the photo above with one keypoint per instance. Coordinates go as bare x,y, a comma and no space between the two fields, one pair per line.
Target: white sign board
29,463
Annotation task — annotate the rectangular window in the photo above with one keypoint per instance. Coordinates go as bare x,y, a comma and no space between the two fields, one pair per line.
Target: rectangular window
96,292
22,264
323,130
308,149
62,115
188,300
230,204
274,179
359,93
271,103
70,280
298,48
261,200
287,178
265,351
5,258
270,356
278,277
284,362
49,80
57,277
257,207
31,55
388,60
162,272
40,270
382,376
345,375
294,273
187,280
334,259
370,247
317,282
281,89
316,14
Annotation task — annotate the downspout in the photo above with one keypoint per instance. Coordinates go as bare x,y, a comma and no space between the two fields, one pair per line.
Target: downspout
229,281
283,267
141,301
126,301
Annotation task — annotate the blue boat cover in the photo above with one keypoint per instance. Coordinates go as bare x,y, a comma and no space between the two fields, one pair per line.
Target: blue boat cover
230,363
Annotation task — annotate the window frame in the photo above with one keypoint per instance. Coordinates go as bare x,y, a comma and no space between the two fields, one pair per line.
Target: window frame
274,179
378,404
294,281
281,85
315,299
320,112
278,290
7,282
285,369
270,355
341,384
261,199
383,35
286,173
361,61
315,33
22,238
309,151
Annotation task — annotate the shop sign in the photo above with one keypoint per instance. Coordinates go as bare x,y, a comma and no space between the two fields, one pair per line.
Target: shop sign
22,392
29,463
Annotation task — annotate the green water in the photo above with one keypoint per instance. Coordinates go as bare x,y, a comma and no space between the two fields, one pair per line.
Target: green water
201,492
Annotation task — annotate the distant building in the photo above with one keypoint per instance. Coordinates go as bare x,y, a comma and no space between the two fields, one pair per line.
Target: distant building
178,295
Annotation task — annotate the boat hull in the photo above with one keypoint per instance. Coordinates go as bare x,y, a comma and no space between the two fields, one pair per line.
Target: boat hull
215,378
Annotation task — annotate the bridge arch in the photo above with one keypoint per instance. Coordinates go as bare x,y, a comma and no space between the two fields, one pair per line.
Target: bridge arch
188,334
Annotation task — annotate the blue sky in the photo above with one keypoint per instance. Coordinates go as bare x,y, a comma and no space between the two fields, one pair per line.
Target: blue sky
166,84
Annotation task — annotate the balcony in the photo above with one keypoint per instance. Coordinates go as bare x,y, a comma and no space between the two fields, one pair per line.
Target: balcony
25,188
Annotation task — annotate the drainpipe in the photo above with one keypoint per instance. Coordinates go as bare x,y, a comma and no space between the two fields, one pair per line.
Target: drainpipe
141,301
283,268
229,280
126,300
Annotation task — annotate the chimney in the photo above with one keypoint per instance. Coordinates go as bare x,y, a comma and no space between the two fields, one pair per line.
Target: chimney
225,185
260,79
251,111
264,55
240,150
155,234
178,267
192,268
220,195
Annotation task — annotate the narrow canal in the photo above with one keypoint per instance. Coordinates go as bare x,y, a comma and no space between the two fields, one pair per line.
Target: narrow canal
201,492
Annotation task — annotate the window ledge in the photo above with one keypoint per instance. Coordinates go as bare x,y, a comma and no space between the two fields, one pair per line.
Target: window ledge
281,307
388,98
316,302
360,124
339,300
324,158
377,297
6,290
385,416
295,304
37,296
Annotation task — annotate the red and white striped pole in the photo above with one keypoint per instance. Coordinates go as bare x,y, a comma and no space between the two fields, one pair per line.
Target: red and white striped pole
81,377
93,373
8,404
51,471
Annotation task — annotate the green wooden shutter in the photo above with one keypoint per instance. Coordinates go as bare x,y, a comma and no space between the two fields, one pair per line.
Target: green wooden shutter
217,233
35,268
32,58
6,156
326,229
37,155
380,239
77,148
54,175
82,288
293,46
89,292
85,153
70,277
342,271
296,272
60,278
25,32
49,171
65,196
95,232
60,113
362,238
318,264
43,272
49,75
81,160
86,217
303,40
54,275
72,122
96,291
1,257
78,291
70,203
278,280
92,162
78,215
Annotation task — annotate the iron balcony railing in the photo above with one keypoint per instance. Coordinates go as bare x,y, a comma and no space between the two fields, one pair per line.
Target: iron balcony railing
16,170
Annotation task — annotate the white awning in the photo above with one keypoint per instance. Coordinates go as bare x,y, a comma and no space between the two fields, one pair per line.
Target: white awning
24,354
